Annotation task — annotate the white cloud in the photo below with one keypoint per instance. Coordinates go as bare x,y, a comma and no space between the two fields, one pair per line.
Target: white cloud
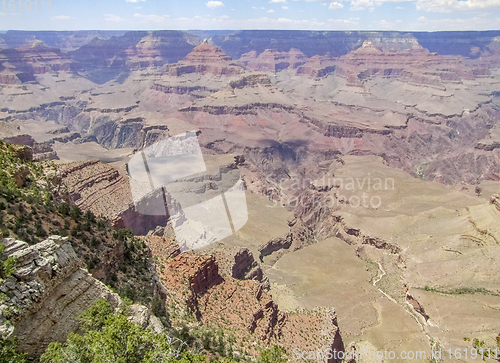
151,18
474,23
350,21
256,23
362,4
369,4
384,24
442,6
447,6
266,21
277,1
62,17
270,11
138,7
2,14
214,4
134,1
285,7
111,17
335,5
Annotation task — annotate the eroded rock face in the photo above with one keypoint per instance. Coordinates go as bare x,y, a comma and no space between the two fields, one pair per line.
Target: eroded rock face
65,40
272,60
133,50
204,284
22,64
47,292
415,65
245,267
102,190
96,187
205,58
318,66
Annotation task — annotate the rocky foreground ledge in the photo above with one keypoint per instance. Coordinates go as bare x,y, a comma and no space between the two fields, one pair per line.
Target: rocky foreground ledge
48,290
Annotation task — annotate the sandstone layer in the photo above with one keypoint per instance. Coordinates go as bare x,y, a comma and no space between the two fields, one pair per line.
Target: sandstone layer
47,291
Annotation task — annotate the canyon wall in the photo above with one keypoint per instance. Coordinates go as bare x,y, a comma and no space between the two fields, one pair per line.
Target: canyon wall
48,290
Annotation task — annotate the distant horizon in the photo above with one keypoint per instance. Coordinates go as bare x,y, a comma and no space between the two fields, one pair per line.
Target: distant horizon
314,15
228,31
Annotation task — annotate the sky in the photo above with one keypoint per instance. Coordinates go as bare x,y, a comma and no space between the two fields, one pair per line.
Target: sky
401,15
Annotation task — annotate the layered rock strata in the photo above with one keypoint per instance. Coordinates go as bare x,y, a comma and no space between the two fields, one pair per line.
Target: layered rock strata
48,290
205,58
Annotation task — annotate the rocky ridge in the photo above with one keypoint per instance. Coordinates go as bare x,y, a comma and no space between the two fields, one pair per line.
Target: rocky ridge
273,61
133,49
22,65
47,291
225,289
101,189
205,58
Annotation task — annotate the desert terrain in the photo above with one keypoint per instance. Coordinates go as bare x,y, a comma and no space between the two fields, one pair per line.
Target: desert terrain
370,163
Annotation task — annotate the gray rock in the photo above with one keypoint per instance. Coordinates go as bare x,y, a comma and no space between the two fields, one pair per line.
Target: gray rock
49,290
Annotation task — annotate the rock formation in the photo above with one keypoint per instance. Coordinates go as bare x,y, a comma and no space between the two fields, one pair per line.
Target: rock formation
415,65
242,96
205,58
64,40
245,267
47,291
132,50
102,190
273,61
222,289
21,65
318,66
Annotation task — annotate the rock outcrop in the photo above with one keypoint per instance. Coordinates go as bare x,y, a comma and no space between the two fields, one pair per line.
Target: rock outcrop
102,190
339,43
204,284
274,61
318,66
244,96
21,65
415,65
48,290
132,50
205,58
245,267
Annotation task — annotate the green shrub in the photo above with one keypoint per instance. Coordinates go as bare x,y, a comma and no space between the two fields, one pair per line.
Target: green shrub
111,337
8,352
7,266
273,355
63,209
75,213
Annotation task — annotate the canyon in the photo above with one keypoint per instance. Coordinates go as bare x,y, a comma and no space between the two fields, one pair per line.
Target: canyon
370,161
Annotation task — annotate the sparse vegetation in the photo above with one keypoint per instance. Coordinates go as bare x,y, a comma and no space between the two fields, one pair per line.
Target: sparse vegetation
461,291
109,336
9,353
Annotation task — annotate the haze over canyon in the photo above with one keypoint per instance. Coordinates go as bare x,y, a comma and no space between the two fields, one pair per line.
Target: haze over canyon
369,161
